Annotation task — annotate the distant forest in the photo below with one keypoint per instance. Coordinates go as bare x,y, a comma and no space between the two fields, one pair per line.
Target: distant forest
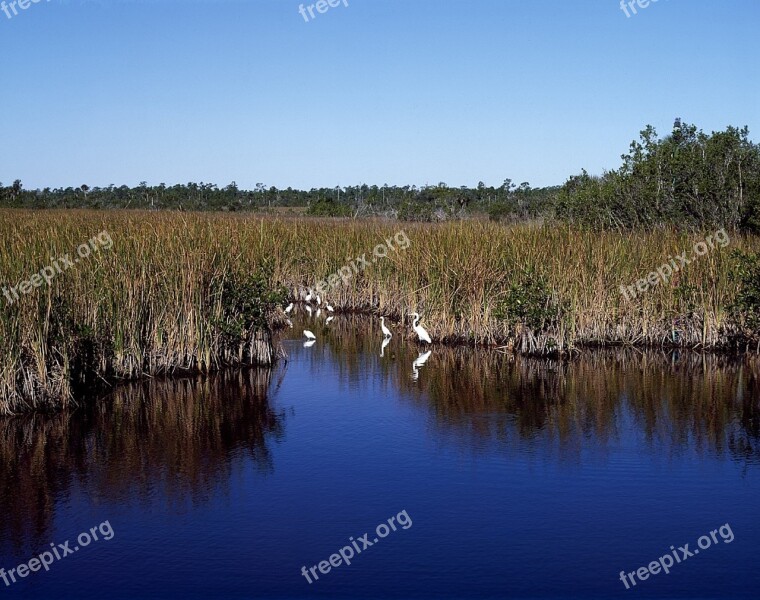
687,178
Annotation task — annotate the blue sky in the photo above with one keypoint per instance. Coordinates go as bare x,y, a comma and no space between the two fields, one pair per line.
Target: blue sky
379,91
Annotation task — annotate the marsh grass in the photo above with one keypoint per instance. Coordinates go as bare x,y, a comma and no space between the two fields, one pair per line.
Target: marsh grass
533,288
172,294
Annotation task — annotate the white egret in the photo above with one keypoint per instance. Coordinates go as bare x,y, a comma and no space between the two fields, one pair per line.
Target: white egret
329,308
420,330
319,300
319,312
308,297
308,309
328,319
289,308
289,322
386,332
309,335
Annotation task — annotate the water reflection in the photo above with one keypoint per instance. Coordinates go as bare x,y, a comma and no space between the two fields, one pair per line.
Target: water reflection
177,441
418,363
691,401
675,400
172,439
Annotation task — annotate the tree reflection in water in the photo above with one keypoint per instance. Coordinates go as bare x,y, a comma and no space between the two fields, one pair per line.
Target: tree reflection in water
176,439
706,402
675,399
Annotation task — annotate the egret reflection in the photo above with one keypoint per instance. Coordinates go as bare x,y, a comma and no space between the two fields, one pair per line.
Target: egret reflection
418,363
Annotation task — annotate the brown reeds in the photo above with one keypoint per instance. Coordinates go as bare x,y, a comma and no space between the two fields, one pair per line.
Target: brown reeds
154,302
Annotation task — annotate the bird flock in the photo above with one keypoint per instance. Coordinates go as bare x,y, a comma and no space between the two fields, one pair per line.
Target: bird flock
313,305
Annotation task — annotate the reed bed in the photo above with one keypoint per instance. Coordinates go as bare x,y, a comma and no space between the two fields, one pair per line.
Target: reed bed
529,287
155,301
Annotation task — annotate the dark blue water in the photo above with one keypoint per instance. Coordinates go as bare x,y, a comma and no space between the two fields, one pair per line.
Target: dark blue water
506,478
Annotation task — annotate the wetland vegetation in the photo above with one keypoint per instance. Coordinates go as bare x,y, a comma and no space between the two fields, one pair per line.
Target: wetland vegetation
184,292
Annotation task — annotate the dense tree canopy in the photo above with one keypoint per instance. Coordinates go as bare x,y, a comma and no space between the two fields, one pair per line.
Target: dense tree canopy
688,178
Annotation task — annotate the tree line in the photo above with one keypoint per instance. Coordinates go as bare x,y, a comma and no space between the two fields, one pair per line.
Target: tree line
430,203
687,178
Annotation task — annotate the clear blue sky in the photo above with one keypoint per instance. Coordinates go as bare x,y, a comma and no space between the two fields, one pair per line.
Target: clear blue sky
381,91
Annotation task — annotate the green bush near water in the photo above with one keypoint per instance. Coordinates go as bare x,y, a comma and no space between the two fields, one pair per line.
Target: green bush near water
746,274
529,300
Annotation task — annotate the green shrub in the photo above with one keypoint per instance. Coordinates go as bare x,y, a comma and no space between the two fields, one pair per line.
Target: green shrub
529,300
414,211
746,274
246,302
499,211
328,208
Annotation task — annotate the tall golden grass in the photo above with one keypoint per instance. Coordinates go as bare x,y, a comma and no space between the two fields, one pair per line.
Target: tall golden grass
150,305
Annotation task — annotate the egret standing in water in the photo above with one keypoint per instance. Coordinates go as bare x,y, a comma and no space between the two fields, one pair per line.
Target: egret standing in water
420,330
386,332
309,335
